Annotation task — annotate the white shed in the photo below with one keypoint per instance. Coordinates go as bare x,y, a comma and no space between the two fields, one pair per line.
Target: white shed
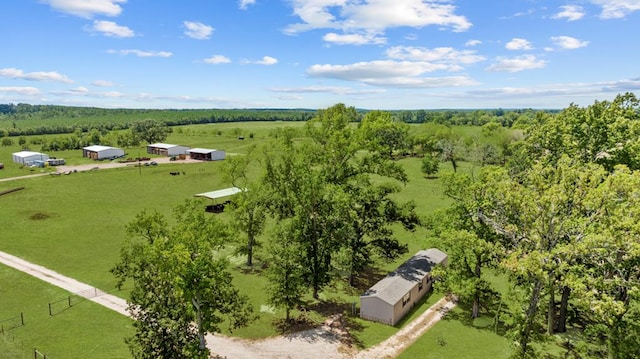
165,149
98,152
206,154
393,296
27,157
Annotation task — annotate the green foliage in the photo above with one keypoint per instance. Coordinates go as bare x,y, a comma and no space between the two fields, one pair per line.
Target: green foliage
150,131
178,280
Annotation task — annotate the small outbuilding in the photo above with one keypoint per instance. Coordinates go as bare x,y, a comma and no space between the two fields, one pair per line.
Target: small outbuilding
205,154
216,207
28,157
98,152
165,149
393,296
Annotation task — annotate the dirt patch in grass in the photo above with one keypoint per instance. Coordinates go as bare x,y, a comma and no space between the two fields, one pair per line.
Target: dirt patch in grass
39,216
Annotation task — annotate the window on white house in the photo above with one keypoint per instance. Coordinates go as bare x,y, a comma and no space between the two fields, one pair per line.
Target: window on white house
406,299
421,285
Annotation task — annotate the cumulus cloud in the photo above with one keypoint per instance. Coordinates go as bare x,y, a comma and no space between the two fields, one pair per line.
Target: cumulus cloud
375,15
266,60
245,3
516,64
518,44
472,43
111,29
87,8
354,39
570,12
390,73
40,76
568,42
217,59
197,30
616,9
25,91
443,55
141,53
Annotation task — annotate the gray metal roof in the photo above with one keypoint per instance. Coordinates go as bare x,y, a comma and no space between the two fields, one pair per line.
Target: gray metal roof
396,284
165,146
220,193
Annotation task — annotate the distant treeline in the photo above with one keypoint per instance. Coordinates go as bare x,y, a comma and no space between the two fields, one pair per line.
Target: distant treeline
24,119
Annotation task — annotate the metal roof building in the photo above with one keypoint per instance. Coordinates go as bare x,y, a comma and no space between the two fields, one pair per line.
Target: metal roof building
393,296
27,157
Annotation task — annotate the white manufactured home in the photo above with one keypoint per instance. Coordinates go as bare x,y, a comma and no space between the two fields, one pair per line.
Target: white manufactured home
393,296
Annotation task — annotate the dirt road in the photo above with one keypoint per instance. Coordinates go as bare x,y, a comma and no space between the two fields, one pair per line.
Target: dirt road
319,343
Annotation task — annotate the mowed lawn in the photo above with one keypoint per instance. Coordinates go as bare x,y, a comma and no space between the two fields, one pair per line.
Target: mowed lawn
75,224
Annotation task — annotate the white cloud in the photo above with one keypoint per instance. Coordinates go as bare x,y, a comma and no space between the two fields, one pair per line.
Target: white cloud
217,59
443,55
568,42
472,43
390,73
111,29
197,30
141,53
245,3
27,91
354,39
102,83
80,90
516,64
616,9
336,90
40,76
375,15
87,8
267,60
518,44
570,12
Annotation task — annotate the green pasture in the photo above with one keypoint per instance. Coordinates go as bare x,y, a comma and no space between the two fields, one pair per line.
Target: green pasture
74,224
85,330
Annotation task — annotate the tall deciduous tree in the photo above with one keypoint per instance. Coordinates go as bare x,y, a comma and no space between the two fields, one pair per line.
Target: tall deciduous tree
150,131
181,286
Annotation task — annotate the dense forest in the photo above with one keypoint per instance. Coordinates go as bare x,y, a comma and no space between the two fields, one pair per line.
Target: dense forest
24,119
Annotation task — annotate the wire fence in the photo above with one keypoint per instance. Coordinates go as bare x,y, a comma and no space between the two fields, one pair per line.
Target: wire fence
39,355
69,301
11,323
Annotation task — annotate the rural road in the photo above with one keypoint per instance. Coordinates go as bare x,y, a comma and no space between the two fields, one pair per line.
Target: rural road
319,343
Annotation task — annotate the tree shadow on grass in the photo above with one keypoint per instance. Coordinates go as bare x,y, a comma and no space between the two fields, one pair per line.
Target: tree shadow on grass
368,277
489,319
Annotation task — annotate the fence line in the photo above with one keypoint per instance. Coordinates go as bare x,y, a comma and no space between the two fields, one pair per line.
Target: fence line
82,295
12,326
38,354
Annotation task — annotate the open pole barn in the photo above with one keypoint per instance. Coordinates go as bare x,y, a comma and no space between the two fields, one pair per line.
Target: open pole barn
165,149
205,154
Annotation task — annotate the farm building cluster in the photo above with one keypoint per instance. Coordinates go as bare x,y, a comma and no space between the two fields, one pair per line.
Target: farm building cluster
202,154
35,159
393,296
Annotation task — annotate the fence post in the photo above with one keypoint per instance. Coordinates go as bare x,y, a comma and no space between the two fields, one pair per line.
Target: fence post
22,318
50,314
69,301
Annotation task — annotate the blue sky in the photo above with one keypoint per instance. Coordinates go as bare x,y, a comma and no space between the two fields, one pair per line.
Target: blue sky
375,54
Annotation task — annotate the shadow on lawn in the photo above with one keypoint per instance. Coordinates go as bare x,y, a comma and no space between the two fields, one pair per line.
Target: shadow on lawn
489,319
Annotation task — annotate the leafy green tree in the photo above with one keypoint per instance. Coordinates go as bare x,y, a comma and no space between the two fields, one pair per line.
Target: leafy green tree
430,165
381,133
150,131
181,287
471,243
6,142
285,273
249,210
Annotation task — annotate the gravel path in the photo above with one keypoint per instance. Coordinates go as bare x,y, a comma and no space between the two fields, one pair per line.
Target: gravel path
319,343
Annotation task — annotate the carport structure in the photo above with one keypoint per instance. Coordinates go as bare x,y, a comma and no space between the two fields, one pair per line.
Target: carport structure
216,195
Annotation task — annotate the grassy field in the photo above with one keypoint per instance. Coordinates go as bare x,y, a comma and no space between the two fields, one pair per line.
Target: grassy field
75,225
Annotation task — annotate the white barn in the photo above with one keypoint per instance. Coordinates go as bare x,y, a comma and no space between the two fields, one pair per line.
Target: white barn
393,296
165,149
98,152
205,154
27,157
